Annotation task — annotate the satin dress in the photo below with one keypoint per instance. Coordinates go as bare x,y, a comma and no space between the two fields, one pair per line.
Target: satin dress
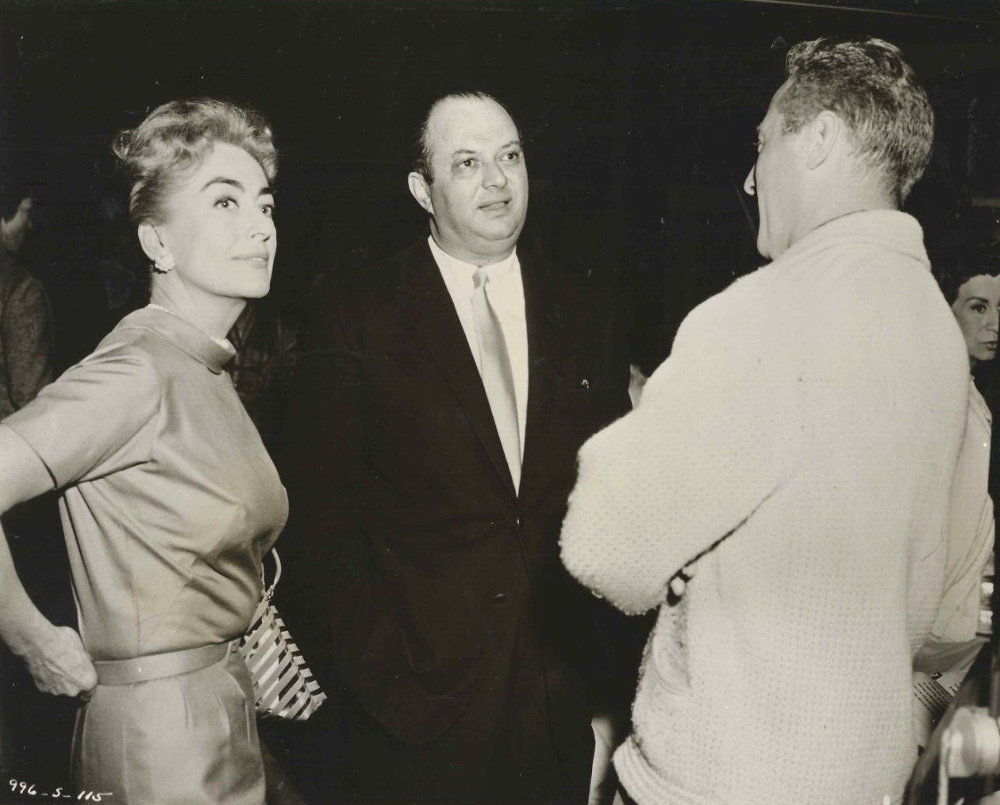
168,502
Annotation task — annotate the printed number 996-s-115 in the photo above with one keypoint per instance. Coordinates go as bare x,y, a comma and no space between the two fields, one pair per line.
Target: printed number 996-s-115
31,790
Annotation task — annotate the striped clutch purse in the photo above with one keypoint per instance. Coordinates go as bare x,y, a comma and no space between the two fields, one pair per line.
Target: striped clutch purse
283,685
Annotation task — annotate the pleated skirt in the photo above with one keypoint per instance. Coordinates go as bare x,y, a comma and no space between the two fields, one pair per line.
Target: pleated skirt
189,739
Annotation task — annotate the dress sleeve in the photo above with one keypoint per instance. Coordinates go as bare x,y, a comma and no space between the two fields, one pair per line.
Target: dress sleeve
98,418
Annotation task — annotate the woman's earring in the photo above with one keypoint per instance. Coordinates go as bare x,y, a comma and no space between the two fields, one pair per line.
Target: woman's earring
164,264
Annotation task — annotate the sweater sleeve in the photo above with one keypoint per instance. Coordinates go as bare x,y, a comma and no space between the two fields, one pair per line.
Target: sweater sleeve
715,435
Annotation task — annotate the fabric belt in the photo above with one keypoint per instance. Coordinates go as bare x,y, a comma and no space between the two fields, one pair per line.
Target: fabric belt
158,666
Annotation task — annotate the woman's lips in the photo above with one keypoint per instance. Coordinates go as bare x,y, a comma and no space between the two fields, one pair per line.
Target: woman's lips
258,259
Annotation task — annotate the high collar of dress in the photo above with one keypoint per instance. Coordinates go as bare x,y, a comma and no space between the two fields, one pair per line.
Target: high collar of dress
213,354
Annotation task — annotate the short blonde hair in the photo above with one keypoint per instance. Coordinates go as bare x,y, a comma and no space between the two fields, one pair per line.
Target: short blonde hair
868,83
176,136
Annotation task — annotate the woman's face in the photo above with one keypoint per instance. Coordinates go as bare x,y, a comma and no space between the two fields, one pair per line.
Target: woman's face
218,226
977,309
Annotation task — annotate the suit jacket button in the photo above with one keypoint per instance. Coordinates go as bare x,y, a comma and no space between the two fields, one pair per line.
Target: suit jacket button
500,599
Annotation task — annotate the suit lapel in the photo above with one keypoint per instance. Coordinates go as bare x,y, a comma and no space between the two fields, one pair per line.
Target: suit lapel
437,324
539,312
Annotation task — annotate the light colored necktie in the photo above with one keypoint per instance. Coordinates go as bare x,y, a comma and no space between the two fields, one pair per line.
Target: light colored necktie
498,378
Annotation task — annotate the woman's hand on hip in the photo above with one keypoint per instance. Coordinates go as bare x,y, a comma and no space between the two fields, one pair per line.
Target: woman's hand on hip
60,664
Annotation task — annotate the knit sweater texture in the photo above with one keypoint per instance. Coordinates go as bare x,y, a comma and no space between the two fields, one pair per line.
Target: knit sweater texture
800,444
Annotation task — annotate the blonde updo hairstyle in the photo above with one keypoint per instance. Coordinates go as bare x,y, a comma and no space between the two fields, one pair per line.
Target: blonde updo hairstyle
175,137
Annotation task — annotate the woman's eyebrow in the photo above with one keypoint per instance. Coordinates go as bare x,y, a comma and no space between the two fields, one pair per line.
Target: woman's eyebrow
223,180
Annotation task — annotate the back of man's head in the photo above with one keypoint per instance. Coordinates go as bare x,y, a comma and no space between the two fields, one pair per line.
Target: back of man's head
877,95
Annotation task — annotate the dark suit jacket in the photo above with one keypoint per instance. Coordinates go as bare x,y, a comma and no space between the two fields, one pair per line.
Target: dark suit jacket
422,563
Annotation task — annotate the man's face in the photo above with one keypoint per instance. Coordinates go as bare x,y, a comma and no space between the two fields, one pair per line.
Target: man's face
776,182
15,229
479,194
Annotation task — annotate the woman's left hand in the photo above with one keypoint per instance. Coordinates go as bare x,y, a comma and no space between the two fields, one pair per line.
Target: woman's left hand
60,665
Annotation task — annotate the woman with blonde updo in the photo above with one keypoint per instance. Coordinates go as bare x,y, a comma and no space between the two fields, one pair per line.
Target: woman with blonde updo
168,497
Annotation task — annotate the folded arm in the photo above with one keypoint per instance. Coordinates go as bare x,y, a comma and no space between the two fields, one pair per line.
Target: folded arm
714,437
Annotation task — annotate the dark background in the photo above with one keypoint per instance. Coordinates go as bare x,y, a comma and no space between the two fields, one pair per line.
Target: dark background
638,119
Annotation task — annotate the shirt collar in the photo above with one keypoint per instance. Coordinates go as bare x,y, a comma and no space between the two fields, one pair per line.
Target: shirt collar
459,269
890,228
183,335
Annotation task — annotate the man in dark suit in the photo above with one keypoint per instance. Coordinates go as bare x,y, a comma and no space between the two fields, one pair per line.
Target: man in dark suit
433,436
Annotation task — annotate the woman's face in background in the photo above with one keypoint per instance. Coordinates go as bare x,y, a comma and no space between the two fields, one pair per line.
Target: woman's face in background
218,226
977,309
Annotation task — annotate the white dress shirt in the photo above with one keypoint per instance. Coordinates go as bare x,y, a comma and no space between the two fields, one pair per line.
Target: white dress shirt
505,291
506,294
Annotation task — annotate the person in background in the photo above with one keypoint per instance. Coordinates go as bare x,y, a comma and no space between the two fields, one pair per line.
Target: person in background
26,331
799,445
26,365
971,285
168,497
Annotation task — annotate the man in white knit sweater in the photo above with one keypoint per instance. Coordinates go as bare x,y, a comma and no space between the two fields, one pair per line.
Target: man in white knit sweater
798,445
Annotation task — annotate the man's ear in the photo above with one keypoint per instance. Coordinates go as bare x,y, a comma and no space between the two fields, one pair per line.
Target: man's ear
419,190
824,132
152,244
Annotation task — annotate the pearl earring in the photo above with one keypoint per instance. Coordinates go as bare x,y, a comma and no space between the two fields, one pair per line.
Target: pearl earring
164,264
